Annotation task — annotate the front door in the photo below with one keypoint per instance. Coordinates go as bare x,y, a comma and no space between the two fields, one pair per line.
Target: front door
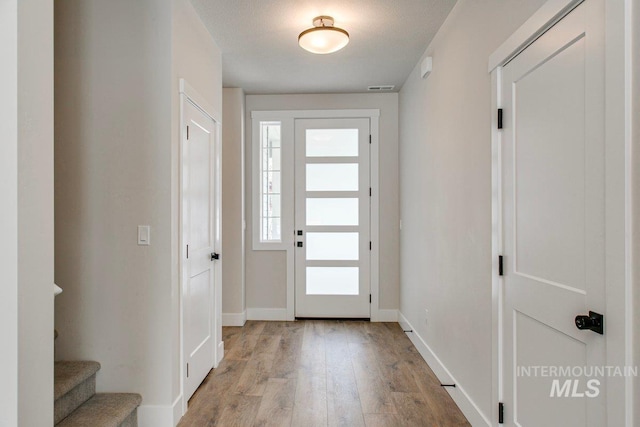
332,216
199,240
553,189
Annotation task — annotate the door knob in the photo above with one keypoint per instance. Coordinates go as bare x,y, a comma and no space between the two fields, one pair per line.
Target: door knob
215,256
594,321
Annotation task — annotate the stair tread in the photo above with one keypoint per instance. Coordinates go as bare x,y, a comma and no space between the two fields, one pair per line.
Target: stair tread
67,375
103,410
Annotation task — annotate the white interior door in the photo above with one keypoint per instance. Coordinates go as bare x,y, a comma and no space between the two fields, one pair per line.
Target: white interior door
200,236
332,216
553,189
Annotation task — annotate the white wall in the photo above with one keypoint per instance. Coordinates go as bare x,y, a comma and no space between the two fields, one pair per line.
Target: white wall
635,123
35,212
233,216
266,270
445,181
118,65
113,173
9,212
26,216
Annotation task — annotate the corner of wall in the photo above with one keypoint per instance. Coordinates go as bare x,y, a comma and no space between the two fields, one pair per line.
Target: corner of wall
234,319
161,415
233,214
635,226
466,404
35,209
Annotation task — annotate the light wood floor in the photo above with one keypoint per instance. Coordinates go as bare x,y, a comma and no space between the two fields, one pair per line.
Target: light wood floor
321,373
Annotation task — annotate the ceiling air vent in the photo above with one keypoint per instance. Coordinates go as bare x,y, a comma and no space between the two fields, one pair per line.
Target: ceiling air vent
380,88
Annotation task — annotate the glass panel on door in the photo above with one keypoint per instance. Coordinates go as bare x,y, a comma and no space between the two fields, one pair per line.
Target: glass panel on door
333,246
332,142
332,211
332,177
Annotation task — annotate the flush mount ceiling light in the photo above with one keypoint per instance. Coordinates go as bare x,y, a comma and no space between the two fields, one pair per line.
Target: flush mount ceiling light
323,38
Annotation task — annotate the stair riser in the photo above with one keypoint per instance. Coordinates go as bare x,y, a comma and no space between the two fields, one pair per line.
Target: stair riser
74,398
131,421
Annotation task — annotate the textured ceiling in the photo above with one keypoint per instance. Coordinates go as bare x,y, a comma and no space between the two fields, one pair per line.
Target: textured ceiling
260,52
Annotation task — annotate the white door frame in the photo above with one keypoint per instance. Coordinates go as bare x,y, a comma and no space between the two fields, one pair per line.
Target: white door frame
619,305
188,94
287,117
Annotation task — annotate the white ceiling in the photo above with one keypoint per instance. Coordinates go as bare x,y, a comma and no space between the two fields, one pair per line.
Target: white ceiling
260,52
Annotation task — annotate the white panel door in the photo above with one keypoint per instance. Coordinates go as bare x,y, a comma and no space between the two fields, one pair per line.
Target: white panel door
332,216
553,223
199,234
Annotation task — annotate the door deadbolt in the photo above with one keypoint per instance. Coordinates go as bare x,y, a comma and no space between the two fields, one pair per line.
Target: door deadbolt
594,322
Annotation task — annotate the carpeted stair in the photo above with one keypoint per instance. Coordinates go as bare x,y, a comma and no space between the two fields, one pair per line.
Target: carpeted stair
78,405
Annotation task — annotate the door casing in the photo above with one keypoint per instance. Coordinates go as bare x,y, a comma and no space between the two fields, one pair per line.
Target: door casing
189,95
287,118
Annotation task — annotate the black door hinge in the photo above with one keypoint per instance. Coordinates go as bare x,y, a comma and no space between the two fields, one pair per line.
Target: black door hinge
499,118
187,251
369,139
370,245
500,413
500,265
187,132
187,370
369,298
370,192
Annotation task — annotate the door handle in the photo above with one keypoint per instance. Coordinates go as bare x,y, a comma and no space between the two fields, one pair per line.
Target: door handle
594,322
215,256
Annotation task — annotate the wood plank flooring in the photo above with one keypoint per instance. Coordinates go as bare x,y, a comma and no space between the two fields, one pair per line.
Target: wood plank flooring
321,373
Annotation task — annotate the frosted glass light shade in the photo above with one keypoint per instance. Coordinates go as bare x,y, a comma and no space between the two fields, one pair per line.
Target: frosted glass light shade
324,37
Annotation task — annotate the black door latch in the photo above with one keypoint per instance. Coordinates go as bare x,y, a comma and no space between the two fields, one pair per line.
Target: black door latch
215,256
594,321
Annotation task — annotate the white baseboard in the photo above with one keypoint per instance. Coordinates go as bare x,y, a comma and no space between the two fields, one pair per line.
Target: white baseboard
281,314
178,406
385,316
220,354
234,319
467,406
160,415
267,314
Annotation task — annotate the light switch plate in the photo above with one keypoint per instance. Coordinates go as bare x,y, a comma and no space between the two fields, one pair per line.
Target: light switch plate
144,235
